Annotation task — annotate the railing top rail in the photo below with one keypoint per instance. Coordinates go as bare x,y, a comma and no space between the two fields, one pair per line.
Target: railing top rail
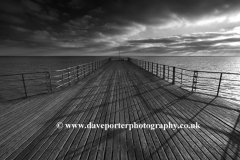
23,73
76,65
190,69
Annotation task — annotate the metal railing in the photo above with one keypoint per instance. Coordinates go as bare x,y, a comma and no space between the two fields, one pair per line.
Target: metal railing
70,75
222,84
17,86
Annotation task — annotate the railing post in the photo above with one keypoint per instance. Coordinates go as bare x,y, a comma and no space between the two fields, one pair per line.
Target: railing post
89,68
50,80
181,75
168,73
194,83
157,69
24,85
62,78
160,71
92,66
84,70
69,80
152,67
173,77
148,67
219,85
145,65
73,74
164,72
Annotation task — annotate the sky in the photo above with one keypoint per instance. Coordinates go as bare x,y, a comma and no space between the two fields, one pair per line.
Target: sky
133,27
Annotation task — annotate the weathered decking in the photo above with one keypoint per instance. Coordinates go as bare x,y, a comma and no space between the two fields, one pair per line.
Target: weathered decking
120,92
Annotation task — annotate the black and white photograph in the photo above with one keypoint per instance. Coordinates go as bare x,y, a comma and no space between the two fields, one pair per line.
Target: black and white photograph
119,80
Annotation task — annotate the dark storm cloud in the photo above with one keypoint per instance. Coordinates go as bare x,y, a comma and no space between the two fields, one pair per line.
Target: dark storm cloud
160,11
161,40
11,19
28,11
120,12
107,23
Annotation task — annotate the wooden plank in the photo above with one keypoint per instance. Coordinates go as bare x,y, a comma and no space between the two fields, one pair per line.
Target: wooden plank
88,104
120,92
71,144
149,99
100,120
65,99
163,115
122,136
86,140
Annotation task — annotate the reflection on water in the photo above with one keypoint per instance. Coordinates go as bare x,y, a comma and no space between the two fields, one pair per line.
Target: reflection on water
207,82
219,64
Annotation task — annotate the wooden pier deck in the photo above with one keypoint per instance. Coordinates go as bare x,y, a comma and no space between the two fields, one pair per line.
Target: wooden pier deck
120,92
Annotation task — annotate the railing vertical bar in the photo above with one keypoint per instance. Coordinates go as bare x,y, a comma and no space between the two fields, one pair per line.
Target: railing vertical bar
69,80
168,73
78,72
24,85
194,83
219,84
152,67
84,70
50,80
173,76
160,71
164,72
62,78
92,66
148,66
181,75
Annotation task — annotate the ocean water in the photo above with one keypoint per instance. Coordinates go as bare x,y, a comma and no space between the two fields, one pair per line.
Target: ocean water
206,82
15,65
215,64
230,85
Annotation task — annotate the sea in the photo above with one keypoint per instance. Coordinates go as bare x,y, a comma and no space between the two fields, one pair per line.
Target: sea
16,65
27,64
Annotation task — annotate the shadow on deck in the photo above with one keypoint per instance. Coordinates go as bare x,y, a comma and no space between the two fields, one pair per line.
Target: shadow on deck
120,93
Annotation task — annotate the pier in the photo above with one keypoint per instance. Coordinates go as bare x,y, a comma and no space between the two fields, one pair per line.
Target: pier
125,91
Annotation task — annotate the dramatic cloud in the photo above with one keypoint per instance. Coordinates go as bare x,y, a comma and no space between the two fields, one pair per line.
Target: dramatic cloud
155,27
222,43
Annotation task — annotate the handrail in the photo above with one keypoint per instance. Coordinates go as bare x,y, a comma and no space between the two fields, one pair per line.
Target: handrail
189,69
217,83
15,86
67,76
22,73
